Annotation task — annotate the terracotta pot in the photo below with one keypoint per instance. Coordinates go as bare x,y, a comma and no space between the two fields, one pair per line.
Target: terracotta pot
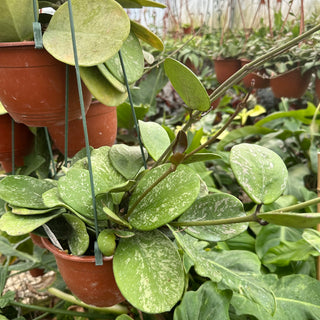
92,284
102,129
23,142
225,68
259,78
37,240
32,86
291,84
317,87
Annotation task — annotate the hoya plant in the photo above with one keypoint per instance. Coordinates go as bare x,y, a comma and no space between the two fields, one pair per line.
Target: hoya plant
153,212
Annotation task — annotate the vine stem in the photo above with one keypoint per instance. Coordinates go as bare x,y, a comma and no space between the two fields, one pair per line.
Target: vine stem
171,169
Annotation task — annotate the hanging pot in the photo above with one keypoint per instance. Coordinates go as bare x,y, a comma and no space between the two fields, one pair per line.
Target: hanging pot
23,142
32,86
92,284
259,79
225,68
102,129
291,84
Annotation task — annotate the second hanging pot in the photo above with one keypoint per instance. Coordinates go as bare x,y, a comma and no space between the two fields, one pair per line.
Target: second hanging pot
102,129
32,86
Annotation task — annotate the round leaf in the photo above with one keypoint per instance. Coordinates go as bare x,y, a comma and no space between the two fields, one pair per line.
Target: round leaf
149,272
101,88
24,191
154,138
133,61
101,27
111,78
188,86
214,207
167,200
260,172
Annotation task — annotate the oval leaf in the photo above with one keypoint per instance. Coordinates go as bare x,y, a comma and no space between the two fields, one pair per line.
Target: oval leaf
260,172
98,34
111,78
101,88
188,86
214,207
149,272
133,60
154,138
167,200
24,191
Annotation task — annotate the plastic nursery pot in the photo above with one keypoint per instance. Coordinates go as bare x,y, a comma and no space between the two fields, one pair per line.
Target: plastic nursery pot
23,142
102,129
291,84
92,284
259,79
225,68
32,86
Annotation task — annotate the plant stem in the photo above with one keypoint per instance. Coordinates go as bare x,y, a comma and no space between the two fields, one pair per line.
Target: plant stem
116,309
249,67
171,169
250,218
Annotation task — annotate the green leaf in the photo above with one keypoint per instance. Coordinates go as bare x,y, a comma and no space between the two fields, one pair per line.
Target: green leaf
5,300
140,3
127,159
124,114
208,302
214,207
115,218
133,61
24,191
242,133
260,172
167,200
146,35
207,264
197,157
16,20
78,238
187,85
312,237
297,298
290,219
98,34
149,272
286,252
16,225
154,138
111,78
101,88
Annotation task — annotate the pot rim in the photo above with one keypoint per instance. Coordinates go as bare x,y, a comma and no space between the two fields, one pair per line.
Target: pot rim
17,44
63,255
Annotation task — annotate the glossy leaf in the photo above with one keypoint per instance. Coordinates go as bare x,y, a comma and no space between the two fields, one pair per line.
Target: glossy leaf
115,218
297,298
16,20
214,207
149,272
111,78
101,88
260,172
146,35
188,86
24,191
98,34
208,302
167,200
78,238
290,219
154,138
16,225
133,60
207,264
127,159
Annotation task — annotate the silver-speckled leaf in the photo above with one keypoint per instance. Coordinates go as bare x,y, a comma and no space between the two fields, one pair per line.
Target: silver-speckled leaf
167,200
260,172
214,207
149,272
